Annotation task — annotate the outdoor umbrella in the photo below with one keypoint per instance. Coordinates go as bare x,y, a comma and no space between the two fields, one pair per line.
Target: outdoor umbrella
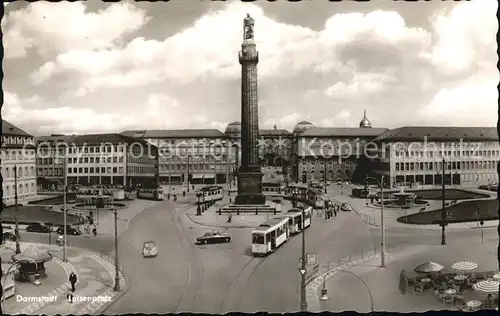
464,265
429,267
486,286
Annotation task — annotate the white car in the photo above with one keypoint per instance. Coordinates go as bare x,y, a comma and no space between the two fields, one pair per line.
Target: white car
346,207
149,249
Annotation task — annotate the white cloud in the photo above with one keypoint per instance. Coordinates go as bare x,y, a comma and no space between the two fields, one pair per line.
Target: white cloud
471,102
67,26
342,119
464,35
361,85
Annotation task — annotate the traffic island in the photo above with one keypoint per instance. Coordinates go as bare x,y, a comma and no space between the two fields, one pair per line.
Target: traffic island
467,211
211,218
29,214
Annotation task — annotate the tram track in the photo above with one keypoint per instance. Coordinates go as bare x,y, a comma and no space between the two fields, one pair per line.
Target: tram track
233,290
188,250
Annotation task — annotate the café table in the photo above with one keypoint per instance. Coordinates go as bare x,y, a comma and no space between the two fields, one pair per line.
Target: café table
450,292
474,304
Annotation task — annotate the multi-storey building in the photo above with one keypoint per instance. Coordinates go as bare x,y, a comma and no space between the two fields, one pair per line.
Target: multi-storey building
331,153
96,159
49,162
414,155
18,152
197,155
112,159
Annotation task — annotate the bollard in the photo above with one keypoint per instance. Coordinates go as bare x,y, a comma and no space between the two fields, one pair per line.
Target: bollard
237,211
256,211
183,193
220,211
275,211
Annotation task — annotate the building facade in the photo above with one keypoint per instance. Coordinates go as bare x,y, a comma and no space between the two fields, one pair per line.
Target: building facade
417,156
49,162
197,155
97,159
332,153
18,153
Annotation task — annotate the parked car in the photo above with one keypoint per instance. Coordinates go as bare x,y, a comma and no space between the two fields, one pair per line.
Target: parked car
38,228
70,230
149,249
346,207
213,237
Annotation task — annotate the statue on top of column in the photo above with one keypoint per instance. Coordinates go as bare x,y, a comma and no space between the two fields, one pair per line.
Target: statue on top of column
248,25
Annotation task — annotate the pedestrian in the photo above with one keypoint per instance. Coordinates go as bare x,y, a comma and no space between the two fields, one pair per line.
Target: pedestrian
72,280
94,231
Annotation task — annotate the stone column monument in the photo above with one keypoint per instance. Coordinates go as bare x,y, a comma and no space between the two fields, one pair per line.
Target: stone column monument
249,175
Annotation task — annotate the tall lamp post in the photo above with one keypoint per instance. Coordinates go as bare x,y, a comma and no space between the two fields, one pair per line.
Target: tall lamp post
382,226
443,205
198,209
303,300
117,273
65,189
18,246
324,296
294,197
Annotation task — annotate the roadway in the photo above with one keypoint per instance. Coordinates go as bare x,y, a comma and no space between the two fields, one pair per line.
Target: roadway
219,278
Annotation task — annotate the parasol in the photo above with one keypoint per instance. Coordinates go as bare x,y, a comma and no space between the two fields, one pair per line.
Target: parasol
429,267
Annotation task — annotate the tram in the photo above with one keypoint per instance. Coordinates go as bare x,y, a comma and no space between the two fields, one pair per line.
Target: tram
115,191
212,193
315,198
150,194
299,218
270,235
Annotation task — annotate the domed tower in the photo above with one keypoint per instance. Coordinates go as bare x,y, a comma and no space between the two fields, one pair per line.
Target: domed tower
302,127
365,123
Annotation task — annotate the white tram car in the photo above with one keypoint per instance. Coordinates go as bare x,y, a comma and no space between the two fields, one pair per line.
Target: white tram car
212,193
299,219
270,235
150,194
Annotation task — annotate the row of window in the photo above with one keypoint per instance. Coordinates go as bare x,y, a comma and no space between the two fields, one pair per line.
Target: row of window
454,165
8,172
102,170
9,190
17,140
49,172
18,155
448,153
192,159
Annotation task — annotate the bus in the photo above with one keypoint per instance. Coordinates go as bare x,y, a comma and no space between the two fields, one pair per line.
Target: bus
299,217
270,235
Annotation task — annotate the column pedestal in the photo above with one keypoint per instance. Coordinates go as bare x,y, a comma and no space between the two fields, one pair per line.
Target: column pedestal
250,186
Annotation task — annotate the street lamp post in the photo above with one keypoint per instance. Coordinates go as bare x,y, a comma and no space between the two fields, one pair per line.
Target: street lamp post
117,274
198,209
382,225
324,296
303,301
294,197
443,205
18,246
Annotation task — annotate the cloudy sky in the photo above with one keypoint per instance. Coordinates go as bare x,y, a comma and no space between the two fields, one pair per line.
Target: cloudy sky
97,67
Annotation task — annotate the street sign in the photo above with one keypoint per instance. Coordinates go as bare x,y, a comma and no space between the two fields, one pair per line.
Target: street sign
302,271
311,258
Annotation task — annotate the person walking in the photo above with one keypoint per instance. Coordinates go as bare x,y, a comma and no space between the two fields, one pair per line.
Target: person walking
72,280
94,231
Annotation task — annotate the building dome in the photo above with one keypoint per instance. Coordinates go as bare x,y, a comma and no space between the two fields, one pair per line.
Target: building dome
365,123
302,127
233,129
